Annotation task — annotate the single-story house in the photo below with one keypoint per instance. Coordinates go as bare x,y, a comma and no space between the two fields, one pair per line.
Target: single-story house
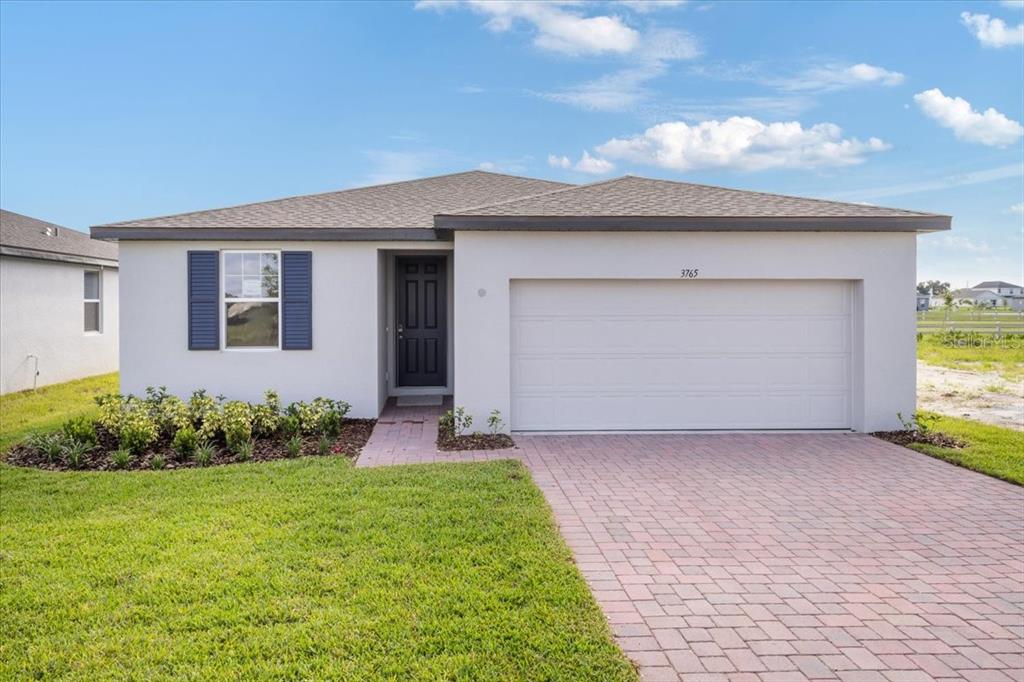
924,302
627,304
58,317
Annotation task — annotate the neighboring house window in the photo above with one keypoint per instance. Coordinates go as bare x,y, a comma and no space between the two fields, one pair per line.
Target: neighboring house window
92,300
251,305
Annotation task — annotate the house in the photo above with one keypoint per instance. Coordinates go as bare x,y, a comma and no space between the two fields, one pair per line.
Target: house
58,304
924,302
991,295
627,304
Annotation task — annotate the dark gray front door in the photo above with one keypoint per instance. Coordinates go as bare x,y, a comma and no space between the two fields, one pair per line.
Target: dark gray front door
420,320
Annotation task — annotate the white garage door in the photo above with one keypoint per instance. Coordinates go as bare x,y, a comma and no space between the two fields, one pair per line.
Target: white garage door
594,355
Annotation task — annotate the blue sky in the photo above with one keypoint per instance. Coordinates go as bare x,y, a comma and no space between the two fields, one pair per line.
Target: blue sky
116,111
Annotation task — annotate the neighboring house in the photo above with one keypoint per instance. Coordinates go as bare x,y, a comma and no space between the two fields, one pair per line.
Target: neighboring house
991,295
628,304
924,302
58,304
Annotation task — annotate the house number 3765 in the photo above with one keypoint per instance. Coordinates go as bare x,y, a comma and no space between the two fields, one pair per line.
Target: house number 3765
689,273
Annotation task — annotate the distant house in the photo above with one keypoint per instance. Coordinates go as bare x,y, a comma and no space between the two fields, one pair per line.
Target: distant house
58,304
996,294
924,302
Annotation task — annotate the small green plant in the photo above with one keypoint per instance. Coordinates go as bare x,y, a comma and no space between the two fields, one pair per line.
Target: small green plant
446,424
204,454
462,421
293,447
323,445
75,452
321,417
158,462
494,422
111,411
266,417
921,423
237,424
185,442
168,411
243,451
80,430
138,429
205,413
120,458
50,444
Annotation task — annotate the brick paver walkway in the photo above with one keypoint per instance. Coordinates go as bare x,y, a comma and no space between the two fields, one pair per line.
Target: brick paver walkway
778,557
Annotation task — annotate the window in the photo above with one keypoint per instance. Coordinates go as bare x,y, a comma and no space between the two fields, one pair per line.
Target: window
252,302
91,297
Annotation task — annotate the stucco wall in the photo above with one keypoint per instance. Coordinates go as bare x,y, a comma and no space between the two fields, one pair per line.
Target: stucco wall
880,265
345,362
42,314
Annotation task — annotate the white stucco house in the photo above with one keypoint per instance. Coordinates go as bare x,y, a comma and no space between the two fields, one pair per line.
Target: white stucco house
627,304
994,294
58,304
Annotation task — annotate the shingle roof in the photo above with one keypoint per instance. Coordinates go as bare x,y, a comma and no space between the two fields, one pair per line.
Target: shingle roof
408,204
22,235
996,285
635,196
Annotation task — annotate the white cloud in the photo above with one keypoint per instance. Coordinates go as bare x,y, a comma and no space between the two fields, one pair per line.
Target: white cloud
587,164
1017,208
557,28
991,31
470,89
838,77
389,166
989,128
961,243
645,6
517,166
742,143
958,180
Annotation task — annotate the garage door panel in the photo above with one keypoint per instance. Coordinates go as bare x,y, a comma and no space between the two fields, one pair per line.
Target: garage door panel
595,354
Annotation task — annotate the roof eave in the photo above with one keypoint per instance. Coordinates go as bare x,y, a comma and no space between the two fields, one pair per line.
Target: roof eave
331,234
922,223
72,258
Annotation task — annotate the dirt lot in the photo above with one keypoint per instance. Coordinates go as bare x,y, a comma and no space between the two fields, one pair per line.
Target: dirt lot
982,396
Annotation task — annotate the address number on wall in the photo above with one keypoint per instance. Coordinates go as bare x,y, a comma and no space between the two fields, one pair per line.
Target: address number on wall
689,273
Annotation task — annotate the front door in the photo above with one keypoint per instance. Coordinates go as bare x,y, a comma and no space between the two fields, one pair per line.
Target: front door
420,320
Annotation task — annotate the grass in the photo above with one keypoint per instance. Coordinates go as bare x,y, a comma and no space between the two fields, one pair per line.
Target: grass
976,354
295,569
45,409
992,450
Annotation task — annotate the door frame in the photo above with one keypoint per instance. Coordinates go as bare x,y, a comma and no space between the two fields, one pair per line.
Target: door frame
389,331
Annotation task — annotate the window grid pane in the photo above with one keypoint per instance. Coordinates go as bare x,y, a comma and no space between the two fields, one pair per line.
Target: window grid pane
92,285
92,316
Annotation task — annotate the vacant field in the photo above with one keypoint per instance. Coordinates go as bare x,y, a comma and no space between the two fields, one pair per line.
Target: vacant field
46,408
974,352
295,569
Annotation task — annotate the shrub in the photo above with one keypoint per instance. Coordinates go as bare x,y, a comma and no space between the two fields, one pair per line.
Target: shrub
455,423
494,422
266,416
50,444
322,416
158,462
237,424
138,429
204,454
446,424
74,453
111,409
169,411
120,458
293,448
290,426
243,451
205,414
80,430
185,442
323,445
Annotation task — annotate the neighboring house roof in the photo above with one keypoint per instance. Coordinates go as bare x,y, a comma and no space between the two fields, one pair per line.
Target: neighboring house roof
418,209
975,293
27,237
408,205
632,202
996,285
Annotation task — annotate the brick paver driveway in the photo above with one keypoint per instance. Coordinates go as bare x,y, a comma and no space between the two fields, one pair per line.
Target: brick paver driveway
783,557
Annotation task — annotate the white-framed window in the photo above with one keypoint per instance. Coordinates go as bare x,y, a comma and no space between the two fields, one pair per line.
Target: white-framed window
92,296
251,300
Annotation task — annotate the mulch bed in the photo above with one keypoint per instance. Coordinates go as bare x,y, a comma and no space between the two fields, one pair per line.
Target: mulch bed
474,441
354,434
907,437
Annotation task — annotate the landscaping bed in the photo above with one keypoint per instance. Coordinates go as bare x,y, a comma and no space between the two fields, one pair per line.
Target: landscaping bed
162,431
453,432
909,436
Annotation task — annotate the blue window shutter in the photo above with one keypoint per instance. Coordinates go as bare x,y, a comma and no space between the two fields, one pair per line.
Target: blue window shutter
297,300
203,303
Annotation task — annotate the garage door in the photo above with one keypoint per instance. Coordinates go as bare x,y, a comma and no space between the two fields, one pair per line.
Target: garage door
681,354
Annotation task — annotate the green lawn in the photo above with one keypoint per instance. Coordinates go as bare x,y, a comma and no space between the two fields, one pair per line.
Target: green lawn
978,354
296,569
991,450
47,408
